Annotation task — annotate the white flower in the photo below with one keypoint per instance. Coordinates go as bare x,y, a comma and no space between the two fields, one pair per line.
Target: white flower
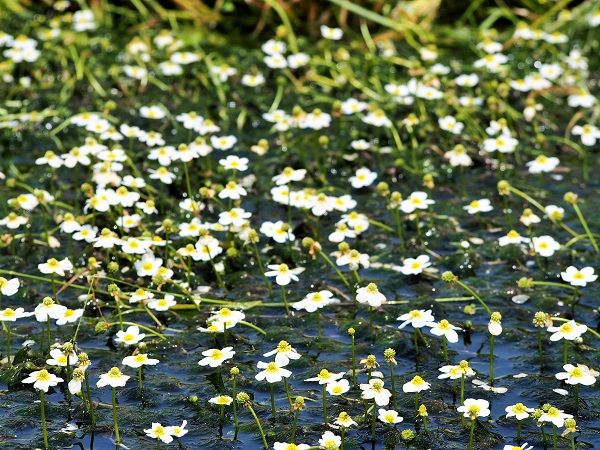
13,221
12,315
458,157
233,162
325,377
455,372
519,411
235,217
495,325
524,446
58,358
589,134
221,400
389,416
512,237
152,112
48,310
353,106
283,353
416,200
377,118
415,266
215,357
543,164
473,408
555,213
289,174
159,432
338,387
53,266
344,420
478,206
449,123
418,318
276,61
446,329
417,384
555,416
579,374
570,331
283,274
223,142
148,266
178,430
113,378
42,380
374,390
545,245
130,336
139,360
370,295
362,178
315,300
162,304
330,441
271,372
9,287
579,277
233,191
334,34
289,446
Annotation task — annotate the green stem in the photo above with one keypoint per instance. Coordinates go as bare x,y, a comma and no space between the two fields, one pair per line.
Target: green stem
8,345
319,330
285,303
325,404
48,334
187,180
43,411
353,347
586,227
416,404
474,294
114,414
140,380
291,37
393,384
236,423
294,427
287,392
492,340
373,421
90,401
339,274
272,392
261,267
540,348
445,349
565,351
471,434
260,430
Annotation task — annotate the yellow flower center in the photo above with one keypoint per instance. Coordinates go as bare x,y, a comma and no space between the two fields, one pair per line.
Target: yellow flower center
43,375
272,367
216,354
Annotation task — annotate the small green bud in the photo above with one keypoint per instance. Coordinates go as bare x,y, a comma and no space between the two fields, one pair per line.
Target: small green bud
570,197
449,277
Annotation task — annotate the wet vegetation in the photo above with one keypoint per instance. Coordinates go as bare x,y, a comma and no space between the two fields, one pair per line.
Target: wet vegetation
292,225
